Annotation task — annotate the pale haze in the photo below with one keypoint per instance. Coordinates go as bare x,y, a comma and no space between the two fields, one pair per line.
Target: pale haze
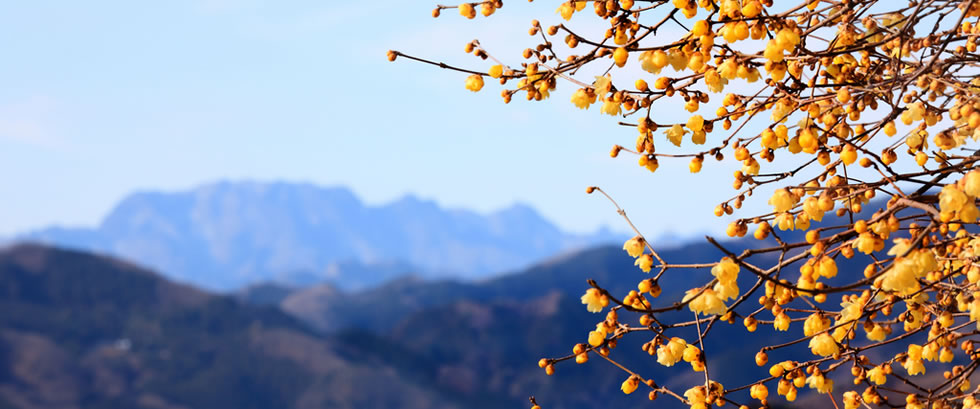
101,99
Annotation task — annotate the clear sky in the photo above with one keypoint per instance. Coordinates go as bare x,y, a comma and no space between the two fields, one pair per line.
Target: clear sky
103,98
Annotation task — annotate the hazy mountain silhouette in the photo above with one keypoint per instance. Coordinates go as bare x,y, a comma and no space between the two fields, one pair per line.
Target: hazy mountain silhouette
227,235
81,331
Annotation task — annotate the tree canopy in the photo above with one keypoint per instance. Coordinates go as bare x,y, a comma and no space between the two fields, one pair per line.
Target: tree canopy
857,119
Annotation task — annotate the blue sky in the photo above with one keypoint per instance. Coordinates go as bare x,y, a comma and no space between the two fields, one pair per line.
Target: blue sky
104,98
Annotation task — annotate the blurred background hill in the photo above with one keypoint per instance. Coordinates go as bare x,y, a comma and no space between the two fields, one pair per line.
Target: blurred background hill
227,235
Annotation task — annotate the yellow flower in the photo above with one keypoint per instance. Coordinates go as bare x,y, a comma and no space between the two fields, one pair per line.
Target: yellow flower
566,10
610,107
706,303
848,155
865,243
851,400
971,183
759,391
782,200
877,375
901,277
620,56
474,82
930,352
715,82
787,39
596,338
653,61
672,352
946,355
951,199
691,353
697,396
700,28
969,213
815,323
726,270
826,267
630,384
592,300
602,85
785,221
877,333
635,246
645,262
496,71
823,345
467,10
726,290
781,323
675,134
695,123
913,363
728,69
820,383
773,51
581,98
890,129
695,165
914,366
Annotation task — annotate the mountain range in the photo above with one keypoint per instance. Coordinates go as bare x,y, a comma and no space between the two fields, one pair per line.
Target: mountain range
227,235
87,331
82,330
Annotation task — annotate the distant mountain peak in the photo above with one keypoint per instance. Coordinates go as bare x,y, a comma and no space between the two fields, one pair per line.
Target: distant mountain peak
228,234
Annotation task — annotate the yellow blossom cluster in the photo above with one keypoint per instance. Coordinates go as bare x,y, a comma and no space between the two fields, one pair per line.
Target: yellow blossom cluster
861,118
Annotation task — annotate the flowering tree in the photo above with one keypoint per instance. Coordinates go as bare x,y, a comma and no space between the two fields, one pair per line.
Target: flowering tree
859,99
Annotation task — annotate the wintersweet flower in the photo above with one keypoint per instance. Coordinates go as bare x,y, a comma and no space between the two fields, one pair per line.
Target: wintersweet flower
675,133
706,303
610,107
782,200
876,375
726,290
645,262
695,123
781,323
474,82
582,99
726,270
620,56
634,246
697,396
823,345
820,383
930,352
877,333
951,199
969,213
971,183
759,391
851,400
593,300
496,71
865,243
691,353
672,352
815,323
825,267
913,362
630,384
596,338
812,208
946,355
